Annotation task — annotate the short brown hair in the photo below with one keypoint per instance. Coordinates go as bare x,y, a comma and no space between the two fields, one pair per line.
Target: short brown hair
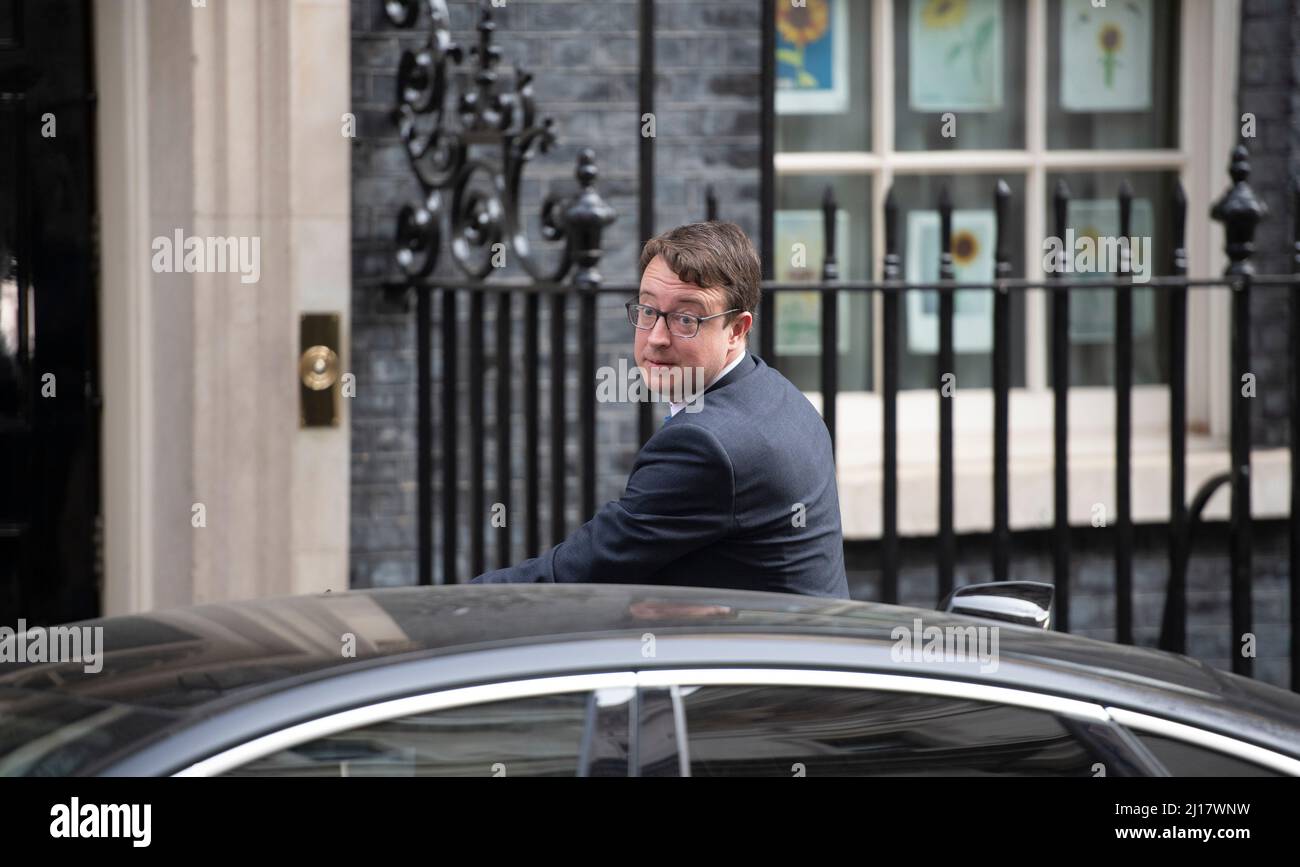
712,255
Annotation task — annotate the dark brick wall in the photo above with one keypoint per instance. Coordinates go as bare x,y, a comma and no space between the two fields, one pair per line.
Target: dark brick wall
1269,71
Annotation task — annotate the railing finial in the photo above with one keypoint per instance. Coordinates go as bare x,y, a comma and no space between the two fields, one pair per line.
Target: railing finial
830,210
1240,211
1002,248
585,220
892,262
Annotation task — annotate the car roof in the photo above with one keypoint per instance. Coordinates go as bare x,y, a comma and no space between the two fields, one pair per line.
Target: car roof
181,659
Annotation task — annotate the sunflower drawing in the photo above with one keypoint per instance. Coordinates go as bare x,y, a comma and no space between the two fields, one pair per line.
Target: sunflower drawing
943,13
801,26
965,247
969,37
1111,40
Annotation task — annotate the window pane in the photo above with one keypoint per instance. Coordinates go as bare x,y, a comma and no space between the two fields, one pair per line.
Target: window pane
539,736
1094,214
761,731
1112,74
799,254
966,57
1187,760
974,240
823,76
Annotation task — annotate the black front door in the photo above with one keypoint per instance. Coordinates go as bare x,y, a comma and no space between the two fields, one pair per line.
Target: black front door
49,406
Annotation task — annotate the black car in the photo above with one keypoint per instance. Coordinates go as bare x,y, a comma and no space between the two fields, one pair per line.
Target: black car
601,680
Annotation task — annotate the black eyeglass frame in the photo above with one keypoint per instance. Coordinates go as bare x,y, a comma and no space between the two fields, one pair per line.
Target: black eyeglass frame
659,314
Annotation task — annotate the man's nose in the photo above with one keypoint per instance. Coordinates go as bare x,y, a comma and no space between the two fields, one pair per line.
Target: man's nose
659,334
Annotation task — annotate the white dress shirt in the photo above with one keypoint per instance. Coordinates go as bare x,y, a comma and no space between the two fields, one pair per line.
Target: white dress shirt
674,408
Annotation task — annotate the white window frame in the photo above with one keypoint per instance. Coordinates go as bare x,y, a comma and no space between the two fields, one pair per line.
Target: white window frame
1208,124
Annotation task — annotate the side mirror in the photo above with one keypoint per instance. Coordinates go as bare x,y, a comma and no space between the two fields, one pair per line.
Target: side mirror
1027,603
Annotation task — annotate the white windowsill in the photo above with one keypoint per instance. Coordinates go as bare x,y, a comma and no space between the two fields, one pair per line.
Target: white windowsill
1091,461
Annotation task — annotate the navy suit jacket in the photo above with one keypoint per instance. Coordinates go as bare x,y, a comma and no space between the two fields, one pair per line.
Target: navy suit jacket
739,494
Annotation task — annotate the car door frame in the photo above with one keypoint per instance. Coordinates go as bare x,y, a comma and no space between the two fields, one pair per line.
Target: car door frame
1117,749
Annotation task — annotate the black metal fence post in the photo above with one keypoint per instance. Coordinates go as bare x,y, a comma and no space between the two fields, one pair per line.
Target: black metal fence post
946,387
559,458
889,409
1294,514
504,425
1001,387
646,163
1173,630
450,491
1124,427
1061,418
830,298
1240,211
767,187
424,435
477,445
532,426
585,222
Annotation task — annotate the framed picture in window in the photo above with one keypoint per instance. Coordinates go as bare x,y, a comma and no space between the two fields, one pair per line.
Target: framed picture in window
1106,56
1092,311
973,238
812,57
955,55
800,250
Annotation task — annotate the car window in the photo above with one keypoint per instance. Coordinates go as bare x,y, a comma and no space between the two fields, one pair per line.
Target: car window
535,736
819,731
1189,760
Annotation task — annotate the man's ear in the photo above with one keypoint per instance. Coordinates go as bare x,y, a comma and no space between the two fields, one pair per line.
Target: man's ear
741,324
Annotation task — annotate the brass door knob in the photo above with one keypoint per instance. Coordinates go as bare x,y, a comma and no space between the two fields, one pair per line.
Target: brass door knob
318,367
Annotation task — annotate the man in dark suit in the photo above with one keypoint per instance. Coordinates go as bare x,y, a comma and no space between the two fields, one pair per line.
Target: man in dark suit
737,489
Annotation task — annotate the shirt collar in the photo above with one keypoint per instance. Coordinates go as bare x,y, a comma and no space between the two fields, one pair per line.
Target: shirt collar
675,408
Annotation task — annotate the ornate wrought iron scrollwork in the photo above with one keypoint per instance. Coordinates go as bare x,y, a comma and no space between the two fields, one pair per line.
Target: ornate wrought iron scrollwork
475,200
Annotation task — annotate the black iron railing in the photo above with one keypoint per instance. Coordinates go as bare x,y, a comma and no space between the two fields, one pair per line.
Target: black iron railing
479,219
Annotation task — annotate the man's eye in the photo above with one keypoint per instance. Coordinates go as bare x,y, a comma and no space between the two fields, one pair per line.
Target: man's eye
684,319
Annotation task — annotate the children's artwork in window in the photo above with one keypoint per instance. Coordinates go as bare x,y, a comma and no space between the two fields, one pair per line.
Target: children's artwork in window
800,250
1106,56
973,237
955,55
812,57
1092,223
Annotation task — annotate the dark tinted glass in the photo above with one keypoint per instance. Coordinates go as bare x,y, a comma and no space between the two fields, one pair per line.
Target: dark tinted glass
540,736
1187,760
658,748
760,731
45,736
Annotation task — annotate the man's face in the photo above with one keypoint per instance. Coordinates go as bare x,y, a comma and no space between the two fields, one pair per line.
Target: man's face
668,362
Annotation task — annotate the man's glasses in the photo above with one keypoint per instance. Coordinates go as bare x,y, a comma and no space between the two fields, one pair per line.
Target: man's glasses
679,324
